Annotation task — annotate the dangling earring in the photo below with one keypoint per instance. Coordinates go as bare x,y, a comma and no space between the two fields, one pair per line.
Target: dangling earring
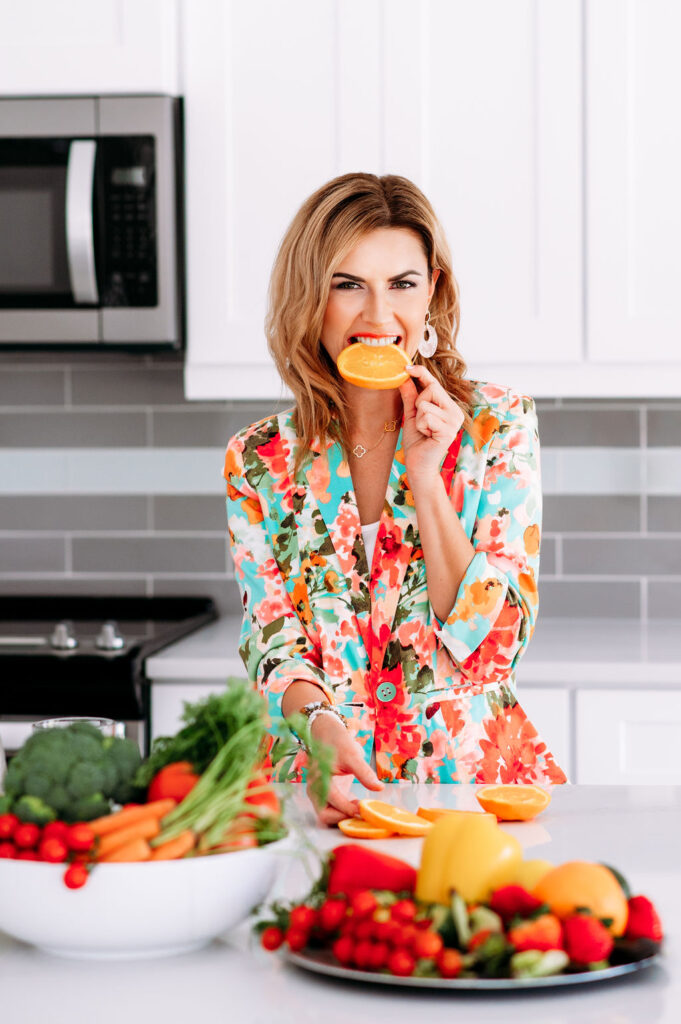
428,346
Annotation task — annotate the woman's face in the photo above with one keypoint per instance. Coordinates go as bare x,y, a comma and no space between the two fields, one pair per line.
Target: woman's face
379,293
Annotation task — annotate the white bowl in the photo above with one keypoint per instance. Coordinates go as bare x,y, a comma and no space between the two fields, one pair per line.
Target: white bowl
129,911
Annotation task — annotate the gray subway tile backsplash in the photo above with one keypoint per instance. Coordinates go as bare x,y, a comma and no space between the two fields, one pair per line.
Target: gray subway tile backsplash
591,513
578,427
69,512
32,387
71,429
76,542
34,554
149,554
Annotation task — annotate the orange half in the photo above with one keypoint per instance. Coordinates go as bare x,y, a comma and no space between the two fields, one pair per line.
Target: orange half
358,828
514,803
384,815
373,366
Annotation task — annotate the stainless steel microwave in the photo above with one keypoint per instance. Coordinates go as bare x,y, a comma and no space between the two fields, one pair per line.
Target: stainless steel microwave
91,222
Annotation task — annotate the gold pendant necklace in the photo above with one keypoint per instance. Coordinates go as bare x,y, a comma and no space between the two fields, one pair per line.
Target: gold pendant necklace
388,428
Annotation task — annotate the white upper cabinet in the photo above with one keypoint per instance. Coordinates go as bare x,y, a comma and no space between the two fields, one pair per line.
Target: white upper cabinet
633,173
480,104
92,47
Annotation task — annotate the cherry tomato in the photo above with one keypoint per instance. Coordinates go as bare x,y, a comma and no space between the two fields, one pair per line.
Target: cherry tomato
296,939
364,929
55,851
344,950
272,938
27,855
426,945
363,954
8,824
331,914
449,963
401,962
56,830
403,911
75,876
363,903
80,837
302,918
380,952
26,836
8,851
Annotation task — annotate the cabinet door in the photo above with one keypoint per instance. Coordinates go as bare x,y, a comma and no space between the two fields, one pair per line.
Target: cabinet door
549,711
483,111
479,104
81,46
633,171
168,700
629,737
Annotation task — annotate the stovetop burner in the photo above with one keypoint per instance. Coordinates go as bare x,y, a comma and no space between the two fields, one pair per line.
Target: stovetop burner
85,655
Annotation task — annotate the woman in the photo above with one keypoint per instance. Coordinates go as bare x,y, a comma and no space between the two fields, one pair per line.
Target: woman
386,541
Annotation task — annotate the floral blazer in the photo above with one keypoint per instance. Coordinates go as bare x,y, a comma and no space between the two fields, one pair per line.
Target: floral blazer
435,699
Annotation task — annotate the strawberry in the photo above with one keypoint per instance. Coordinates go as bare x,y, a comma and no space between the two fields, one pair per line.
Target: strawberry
513,901
643,921
587,940
542,933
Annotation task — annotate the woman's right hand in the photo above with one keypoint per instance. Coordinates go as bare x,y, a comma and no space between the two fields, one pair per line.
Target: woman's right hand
348,761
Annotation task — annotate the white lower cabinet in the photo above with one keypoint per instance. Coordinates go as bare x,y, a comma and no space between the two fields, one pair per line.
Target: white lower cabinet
168,700
549,711
630,737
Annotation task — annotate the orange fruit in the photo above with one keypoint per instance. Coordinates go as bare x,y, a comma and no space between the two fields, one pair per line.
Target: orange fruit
358,828
373,366
435,813
580,883
514,803
384,815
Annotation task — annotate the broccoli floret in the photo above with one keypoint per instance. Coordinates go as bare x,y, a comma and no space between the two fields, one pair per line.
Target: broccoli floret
60,799
124,755
85,778
93,806
34,810
6,802
14,779
38,783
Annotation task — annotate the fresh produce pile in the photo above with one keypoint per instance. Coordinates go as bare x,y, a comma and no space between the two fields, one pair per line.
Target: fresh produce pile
76,797
474,908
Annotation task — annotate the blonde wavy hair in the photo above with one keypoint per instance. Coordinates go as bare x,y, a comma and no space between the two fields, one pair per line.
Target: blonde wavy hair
327,227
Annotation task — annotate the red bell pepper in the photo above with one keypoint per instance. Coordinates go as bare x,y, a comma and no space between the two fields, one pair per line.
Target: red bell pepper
354,867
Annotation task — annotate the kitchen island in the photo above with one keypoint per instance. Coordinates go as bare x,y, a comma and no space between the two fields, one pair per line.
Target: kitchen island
637,829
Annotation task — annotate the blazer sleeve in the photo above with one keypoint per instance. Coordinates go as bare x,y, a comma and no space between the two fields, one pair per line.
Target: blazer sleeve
495,610
274,646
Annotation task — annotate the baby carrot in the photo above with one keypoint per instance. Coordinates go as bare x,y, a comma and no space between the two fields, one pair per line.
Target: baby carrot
175,848
121,819
137,850
146,829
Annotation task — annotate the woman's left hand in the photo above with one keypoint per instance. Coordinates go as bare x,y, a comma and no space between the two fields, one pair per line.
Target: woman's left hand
431,422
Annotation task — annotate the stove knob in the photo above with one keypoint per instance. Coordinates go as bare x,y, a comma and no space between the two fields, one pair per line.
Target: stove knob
62,638
109,638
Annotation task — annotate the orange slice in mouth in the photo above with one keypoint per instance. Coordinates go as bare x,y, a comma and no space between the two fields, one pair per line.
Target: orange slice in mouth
373,366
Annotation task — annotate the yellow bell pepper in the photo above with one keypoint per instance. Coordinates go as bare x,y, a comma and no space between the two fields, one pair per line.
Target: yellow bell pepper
467,852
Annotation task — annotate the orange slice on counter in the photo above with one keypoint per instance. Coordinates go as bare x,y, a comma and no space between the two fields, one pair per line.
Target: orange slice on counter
358,828
514,803
373,366
384,815
435,813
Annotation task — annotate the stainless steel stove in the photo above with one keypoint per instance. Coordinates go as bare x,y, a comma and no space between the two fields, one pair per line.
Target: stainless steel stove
65,656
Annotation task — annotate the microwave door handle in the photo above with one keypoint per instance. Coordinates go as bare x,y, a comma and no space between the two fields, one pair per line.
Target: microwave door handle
80,247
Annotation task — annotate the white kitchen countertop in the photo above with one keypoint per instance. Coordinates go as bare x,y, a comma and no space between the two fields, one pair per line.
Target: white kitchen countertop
634,828
575,652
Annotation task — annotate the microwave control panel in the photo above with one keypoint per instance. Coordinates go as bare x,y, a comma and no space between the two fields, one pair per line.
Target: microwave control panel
126,222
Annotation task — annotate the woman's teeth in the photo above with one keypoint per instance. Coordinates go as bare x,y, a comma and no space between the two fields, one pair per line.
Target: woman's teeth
389,339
